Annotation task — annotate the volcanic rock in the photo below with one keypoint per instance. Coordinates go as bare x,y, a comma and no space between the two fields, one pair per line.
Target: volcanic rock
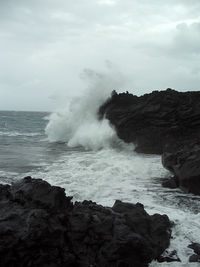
156,122
194,258
40,226
195,247
165,122
185,165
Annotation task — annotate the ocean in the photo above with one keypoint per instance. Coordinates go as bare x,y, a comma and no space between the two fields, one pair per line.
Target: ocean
72,149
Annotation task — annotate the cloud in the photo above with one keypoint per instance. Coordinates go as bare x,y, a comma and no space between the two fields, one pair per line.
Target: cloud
187,39
46,44
107,2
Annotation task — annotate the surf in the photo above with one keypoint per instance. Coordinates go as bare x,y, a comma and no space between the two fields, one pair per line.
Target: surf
77,124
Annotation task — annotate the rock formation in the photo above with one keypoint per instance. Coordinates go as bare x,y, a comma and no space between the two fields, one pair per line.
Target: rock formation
165,122
196,256
40,226
156,122
185,165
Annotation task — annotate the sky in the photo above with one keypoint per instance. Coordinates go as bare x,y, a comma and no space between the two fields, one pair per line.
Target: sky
47,46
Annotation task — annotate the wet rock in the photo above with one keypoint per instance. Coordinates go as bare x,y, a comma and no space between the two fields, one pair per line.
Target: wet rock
170,183
195,247
194,258
37,192
40,226
165,122
157,122
169,256
185,165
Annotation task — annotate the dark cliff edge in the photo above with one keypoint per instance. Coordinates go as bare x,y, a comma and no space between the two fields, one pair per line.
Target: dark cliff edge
162,122
40,226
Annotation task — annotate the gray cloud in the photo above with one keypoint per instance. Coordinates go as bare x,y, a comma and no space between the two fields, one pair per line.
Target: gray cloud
45,45
187,40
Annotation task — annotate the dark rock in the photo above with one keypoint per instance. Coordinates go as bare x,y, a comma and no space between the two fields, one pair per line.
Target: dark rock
185,165
194,258
169,256
156,122
195,247
33,192
170,182
40,226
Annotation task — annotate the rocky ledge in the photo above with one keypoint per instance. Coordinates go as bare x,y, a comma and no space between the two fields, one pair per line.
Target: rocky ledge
40,226
165,122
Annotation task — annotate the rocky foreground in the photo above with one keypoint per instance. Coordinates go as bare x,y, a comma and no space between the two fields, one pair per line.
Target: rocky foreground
40,226
165,122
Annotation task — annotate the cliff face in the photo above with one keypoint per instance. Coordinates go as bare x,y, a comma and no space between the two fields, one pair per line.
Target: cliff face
165,122
156,122
40,226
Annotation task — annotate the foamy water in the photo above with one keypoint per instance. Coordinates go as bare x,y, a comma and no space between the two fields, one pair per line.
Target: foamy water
109,174
16,133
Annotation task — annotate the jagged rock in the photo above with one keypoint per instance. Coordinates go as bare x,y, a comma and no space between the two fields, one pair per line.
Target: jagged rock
161,122
185,165
40,226
155,122
195,247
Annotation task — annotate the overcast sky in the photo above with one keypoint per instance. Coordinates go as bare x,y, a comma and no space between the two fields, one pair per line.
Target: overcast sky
45,45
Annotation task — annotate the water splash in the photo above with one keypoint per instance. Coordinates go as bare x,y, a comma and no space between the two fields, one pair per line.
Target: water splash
78,123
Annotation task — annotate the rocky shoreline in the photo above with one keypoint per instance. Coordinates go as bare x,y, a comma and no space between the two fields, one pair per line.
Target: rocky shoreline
162,122
40,226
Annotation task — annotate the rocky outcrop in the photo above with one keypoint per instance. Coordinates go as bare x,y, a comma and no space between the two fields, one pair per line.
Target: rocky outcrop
165,122
196,256
40,226
156,122
185,165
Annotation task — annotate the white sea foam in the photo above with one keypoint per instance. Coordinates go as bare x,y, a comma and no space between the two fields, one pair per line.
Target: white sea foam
7,177
16,133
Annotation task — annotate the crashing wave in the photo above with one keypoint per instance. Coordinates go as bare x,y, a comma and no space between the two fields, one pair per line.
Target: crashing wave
78,123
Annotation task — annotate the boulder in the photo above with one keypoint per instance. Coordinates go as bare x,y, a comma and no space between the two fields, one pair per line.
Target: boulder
195,247
194,258
185,165
40,226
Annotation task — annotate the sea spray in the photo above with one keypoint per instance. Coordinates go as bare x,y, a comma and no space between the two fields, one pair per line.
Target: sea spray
78,123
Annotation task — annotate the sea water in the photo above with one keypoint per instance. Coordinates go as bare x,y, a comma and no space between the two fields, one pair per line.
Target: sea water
71,148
